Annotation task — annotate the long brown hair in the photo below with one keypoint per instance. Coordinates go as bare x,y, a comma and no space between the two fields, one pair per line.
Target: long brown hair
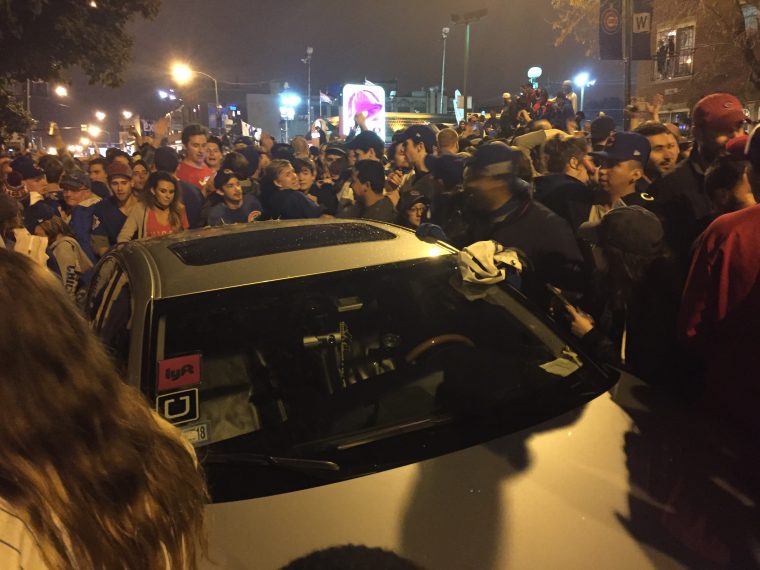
176,207
98,477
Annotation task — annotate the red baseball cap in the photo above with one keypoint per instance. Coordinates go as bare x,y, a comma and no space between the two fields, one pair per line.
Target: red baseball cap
735,148
720,112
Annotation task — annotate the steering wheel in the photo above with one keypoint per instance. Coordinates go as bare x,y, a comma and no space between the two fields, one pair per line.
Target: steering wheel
434,341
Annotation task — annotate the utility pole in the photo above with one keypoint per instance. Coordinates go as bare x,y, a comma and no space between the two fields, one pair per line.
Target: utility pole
627,34
444,35
307,61
467,19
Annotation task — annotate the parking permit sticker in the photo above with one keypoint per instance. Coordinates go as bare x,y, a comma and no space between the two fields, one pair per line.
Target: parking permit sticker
178,407
196,435
177,372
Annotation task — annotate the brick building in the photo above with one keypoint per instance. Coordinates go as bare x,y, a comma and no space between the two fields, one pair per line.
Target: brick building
695,52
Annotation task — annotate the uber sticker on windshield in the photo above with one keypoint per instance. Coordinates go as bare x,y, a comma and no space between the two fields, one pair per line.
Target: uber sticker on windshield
196,435
178,372
178,407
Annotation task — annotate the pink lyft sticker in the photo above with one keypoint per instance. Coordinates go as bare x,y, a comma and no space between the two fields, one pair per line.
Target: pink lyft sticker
180,371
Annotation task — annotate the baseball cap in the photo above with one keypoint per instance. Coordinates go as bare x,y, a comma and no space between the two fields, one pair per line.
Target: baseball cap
409,199
736,148
26,167
420,134
118,169
75,179
14,186
625,146
366,140
247,141
36,214
335,149
493,159
631,229
720,112
222,177
601,127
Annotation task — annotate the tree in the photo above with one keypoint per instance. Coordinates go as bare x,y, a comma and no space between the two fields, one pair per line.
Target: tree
41,39
729,19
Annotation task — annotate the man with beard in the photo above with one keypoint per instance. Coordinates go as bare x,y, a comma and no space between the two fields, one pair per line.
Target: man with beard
500,208
236,207
110,213
686,208
663,154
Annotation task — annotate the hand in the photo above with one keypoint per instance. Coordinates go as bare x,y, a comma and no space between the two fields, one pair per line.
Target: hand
394,179
361,120
161,128
581,323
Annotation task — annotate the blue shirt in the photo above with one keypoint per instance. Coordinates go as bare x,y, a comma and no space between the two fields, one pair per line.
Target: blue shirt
249,211
81,224
107,219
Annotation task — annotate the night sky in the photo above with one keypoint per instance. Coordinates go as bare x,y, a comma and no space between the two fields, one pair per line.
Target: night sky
260,40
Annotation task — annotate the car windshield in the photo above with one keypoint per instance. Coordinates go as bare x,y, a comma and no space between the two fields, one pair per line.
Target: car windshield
341,359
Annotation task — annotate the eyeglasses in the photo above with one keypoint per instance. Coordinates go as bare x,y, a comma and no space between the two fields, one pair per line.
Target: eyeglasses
418,209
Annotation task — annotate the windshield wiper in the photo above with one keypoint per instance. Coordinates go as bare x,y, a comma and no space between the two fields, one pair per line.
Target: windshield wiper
295,463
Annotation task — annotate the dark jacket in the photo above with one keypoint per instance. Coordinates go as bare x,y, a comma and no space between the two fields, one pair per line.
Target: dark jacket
568,197
545,238
650,319
684,207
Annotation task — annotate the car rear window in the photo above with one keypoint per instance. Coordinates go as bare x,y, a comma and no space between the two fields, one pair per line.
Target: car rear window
219,249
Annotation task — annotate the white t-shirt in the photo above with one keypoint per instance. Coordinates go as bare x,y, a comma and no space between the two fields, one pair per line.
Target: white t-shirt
18,547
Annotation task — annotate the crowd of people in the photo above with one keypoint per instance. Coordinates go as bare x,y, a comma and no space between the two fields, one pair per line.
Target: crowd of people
645,245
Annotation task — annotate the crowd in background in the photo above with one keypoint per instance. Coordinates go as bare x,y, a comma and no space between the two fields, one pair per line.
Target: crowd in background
638,229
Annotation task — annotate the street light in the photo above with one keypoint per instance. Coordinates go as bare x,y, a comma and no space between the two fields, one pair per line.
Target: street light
126,114
182,74
100,115
94,131
61,91
533,74
307,61
444,34
583,80
467,19
288,103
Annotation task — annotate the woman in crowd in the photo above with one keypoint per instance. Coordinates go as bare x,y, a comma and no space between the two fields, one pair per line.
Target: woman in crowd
162,213
90,476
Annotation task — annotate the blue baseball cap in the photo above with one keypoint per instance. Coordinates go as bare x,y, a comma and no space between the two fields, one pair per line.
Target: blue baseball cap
497,159
625,146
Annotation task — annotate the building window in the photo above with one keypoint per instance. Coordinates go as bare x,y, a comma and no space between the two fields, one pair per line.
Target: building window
675,52
750,14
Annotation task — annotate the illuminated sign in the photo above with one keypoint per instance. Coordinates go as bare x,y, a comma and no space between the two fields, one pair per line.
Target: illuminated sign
367,99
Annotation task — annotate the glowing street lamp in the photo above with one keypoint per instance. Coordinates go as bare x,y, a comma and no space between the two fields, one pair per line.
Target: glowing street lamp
126,114
84,141
100,115
61,91
533,74
583,80
182,74
94,131
288,103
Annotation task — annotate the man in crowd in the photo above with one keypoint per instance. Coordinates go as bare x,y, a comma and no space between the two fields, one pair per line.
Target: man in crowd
111,212
720,308
418,142
236,207
566,189
501,209
96,169
367,146
193,169
663,155
622,166
686,209
31,195
81,202
601,129
448,141
213,156
367,182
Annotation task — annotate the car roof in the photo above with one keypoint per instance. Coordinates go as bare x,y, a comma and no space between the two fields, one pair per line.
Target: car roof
220,257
